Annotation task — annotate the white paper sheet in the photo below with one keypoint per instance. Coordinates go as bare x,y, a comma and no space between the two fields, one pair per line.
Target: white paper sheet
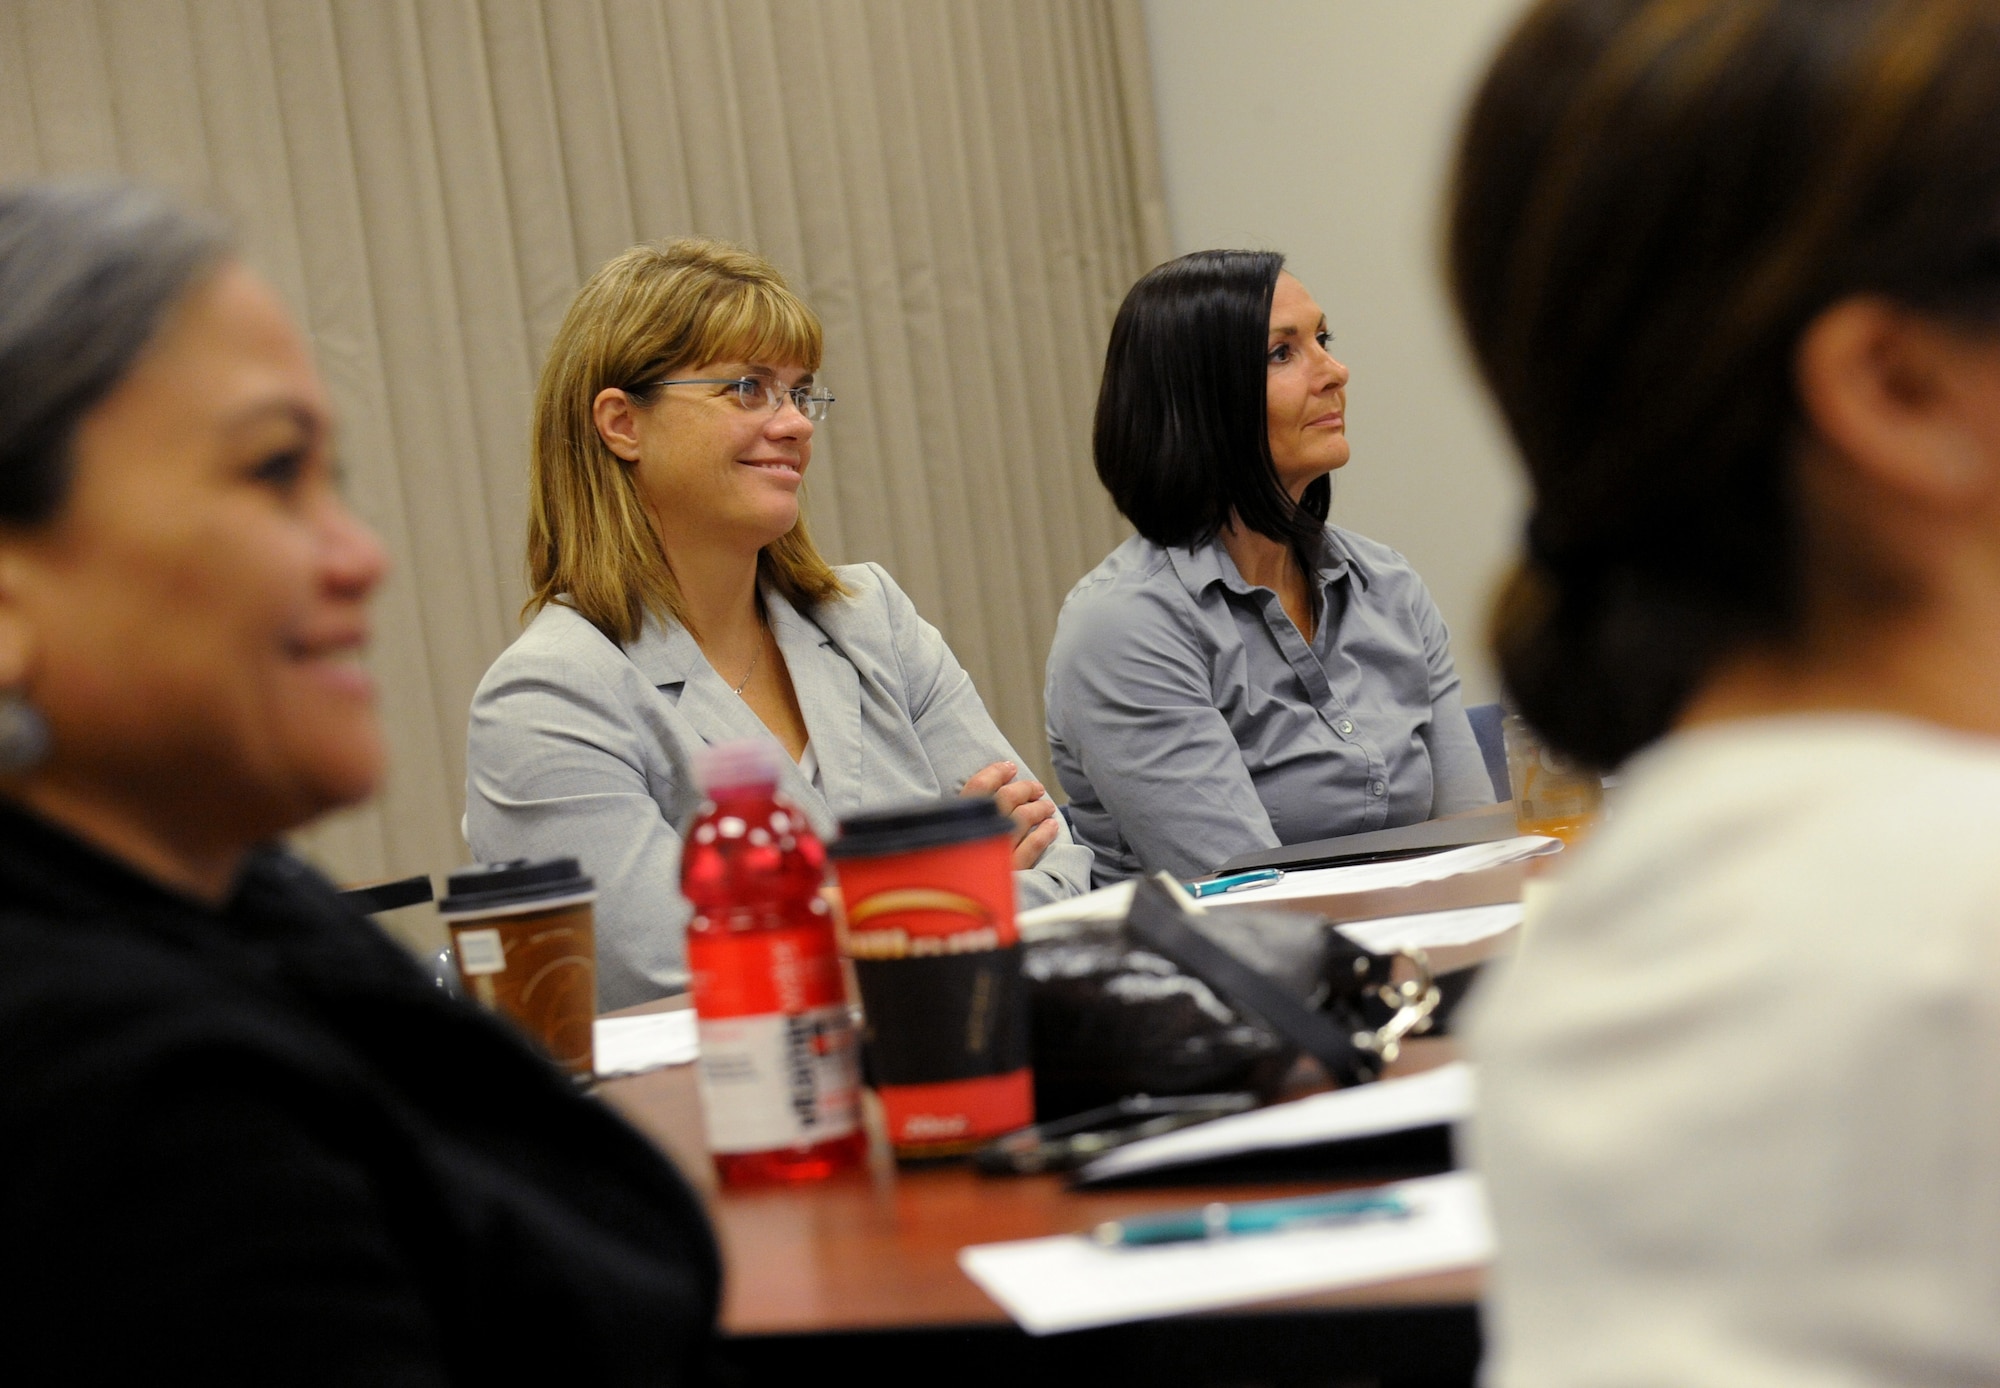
1443,1095
1105,904
1300,886
1069,1282
631,1045
1433,929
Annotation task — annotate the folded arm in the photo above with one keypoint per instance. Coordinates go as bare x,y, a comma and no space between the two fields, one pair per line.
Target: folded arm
965,746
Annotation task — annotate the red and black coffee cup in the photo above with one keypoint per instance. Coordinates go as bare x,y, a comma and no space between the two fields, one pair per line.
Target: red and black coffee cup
929,895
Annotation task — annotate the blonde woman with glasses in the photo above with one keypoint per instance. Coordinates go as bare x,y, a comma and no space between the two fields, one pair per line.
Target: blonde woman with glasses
678,601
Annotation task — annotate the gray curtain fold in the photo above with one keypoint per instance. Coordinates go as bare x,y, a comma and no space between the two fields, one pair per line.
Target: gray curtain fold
963,190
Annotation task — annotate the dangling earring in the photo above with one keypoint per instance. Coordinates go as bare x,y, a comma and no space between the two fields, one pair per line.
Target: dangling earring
24,734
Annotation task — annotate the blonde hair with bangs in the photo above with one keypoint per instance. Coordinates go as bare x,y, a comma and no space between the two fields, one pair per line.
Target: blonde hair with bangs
656,309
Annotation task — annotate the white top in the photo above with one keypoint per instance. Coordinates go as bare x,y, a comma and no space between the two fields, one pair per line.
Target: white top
1740,1089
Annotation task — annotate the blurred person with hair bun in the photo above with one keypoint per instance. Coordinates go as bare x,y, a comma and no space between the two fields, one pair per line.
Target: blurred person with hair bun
1732,271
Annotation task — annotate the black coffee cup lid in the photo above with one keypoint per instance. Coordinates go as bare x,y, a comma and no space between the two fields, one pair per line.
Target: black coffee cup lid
487,885
928,824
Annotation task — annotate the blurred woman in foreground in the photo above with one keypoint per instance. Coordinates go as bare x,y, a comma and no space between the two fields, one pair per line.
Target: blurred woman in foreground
1733,273
245,1136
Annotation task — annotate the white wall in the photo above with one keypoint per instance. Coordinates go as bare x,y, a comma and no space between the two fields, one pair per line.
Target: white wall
1321,128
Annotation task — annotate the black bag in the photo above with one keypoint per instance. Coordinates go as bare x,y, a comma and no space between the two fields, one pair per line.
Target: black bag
1167,1001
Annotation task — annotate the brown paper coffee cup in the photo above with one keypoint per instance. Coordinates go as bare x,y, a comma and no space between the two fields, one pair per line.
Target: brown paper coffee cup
526,948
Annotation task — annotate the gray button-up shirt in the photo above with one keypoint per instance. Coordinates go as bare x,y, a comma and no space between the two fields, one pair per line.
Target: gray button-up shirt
1190,721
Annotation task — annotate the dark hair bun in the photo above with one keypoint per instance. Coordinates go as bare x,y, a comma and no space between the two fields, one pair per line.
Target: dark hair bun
1652,200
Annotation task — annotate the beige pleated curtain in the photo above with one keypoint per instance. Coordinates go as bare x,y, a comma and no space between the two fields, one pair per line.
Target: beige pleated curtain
963,190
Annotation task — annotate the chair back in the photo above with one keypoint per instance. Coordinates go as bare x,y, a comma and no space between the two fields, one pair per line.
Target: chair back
389,896
376,898
1486,727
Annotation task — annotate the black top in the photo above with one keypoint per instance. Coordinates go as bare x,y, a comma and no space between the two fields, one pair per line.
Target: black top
257,1144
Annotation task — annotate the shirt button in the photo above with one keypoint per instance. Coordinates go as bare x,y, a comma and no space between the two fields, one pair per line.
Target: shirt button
1346,725
1377,787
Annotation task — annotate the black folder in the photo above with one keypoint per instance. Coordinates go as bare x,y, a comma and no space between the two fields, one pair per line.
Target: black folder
1381,845
1420,1151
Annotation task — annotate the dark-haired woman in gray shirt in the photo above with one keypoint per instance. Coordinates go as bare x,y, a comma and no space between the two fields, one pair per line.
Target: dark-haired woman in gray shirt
1241,674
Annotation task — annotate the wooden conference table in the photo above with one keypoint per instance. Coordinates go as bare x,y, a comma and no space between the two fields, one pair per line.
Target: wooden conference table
862,1270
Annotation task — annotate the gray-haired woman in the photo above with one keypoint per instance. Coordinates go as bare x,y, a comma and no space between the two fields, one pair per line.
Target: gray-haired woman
245,1138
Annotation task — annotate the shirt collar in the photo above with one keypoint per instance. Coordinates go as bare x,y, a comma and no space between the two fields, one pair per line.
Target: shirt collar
1203,566
665,653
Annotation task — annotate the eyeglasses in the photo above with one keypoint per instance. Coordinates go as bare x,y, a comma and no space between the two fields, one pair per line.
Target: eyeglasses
760,393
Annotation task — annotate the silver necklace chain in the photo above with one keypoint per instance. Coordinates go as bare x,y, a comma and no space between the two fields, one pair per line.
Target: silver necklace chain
737,689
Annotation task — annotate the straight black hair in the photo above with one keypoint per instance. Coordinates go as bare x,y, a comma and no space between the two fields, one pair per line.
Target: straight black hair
88,271
1182,439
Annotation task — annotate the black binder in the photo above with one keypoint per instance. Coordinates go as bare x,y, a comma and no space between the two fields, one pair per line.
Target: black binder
1381,845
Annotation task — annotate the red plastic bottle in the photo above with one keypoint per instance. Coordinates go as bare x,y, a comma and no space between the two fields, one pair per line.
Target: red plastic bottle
779,1071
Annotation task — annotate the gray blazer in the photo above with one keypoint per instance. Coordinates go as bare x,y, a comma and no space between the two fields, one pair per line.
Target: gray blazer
580,748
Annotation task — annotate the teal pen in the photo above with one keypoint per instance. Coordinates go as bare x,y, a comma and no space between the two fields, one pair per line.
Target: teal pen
1236,882
1220,1220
